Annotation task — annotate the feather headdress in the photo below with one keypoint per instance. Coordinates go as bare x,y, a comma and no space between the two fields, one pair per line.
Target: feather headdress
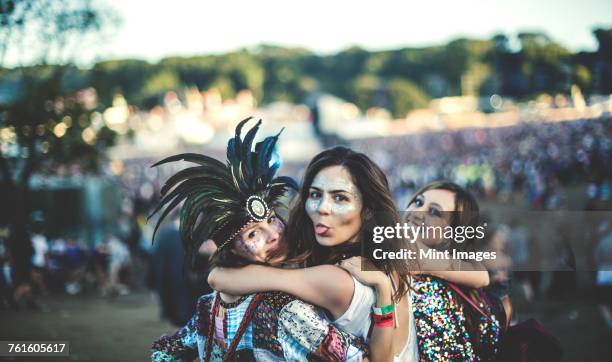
221,199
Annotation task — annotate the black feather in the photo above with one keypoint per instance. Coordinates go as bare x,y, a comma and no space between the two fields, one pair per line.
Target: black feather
214,194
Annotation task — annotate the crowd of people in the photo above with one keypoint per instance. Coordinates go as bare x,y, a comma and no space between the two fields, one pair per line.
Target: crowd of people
534,159
66,265
539,162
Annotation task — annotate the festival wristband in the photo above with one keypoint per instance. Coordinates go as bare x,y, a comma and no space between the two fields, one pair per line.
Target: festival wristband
383,321
384,310
387,324
382,318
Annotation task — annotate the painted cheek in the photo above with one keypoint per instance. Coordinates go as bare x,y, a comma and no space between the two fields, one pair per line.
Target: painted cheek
251,246
348,207
344,209
312,205
241,246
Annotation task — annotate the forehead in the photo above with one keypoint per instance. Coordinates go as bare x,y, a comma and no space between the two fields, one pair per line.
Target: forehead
254,224
444,198
334,178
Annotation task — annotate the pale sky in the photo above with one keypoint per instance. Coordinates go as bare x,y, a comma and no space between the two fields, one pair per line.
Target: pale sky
153,29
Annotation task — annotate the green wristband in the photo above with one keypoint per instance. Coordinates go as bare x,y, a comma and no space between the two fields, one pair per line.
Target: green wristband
384,310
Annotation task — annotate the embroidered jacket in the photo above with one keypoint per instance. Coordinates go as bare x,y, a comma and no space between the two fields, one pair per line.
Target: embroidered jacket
282,328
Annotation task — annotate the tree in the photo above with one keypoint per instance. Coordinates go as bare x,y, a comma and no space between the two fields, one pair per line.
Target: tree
603,67
544,64
50,31
45,122
365,90
405,96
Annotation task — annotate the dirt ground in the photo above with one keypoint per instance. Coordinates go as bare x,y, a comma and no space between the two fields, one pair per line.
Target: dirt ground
99,329
122,328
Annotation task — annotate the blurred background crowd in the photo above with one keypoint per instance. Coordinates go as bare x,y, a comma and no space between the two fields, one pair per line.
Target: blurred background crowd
519,119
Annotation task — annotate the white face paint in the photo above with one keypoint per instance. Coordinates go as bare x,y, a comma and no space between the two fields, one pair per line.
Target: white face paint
334,205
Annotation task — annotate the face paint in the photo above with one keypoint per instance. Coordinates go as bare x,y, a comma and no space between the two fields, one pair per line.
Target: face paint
251,245
334,205
259,240
326,183
312,205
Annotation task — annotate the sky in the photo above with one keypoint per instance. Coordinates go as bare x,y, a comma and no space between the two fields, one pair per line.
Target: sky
155,29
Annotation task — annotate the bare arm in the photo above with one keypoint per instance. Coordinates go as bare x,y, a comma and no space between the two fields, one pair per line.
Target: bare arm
326,286
381,340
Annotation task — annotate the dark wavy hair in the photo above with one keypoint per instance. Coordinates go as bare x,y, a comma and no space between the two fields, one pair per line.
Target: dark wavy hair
378,210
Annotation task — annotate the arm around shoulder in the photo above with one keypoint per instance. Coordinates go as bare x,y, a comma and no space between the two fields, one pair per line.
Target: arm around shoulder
326,286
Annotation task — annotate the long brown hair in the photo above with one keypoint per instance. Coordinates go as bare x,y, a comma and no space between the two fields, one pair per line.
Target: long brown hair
378,210
466,213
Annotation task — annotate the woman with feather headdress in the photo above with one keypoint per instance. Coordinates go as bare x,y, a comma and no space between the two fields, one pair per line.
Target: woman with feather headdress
234,205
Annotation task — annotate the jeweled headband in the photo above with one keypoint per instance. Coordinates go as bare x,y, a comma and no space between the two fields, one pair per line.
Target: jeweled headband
220,200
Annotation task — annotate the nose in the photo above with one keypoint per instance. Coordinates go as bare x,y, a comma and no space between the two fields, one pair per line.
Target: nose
324,207
416,216
272,233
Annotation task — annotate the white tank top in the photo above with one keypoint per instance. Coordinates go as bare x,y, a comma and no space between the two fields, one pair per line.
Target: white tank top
410,352
356,319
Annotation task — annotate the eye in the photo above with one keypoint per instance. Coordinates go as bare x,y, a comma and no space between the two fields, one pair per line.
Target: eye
314,194
252,234
339,197
419,201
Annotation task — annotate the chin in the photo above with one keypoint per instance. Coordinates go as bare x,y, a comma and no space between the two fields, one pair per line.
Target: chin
327,241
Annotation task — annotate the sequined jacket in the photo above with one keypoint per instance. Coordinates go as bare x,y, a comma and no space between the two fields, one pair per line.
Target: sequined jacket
443,333
283,328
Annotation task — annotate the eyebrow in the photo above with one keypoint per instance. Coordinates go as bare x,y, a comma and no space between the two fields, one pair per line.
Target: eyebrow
250,228
435,204
332,191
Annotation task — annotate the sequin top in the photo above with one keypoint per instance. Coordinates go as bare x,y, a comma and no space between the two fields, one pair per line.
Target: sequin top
442,328
283,328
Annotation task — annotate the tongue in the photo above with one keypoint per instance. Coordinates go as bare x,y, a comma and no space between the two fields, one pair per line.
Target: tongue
321,229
